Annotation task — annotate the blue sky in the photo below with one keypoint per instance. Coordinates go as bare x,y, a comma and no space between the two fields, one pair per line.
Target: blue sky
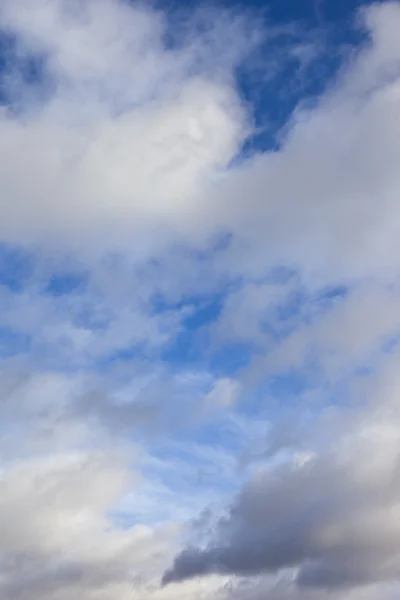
199,323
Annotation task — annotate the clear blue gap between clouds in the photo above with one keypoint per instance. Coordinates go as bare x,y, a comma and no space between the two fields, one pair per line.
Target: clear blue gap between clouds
191,347
327,27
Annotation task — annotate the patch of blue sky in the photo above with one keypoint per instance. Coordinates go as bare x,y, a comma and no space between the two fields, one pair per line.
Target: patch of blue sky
303,307
310,12
13,342
219,437
16,267
22,70
190,344
182,464
310,387
296,396
294,65
6,46
204,459
62,284
230,359
21,268
194,344
314,390
289,385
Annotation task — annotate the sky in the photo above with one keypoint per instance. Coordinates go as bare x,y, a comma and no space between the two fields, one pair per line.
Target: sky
199,300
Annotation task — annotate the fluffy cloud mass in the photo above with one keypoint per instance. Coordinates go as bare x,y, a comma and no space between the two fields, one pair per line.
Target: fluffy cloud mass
124,135
199,330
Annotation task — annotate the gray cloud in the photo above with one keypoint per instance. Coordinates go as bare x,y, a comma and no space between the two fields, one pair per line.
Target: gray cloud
267,588
333,517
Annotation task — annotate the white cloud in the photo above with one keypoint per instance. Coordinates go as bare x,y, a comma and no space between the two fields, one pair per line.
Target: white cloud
132,134
326,202
64,486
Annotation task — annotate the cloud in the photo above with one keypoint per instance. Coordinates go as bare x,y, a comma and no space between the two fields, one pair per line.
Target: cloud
64,543
132,132
332,518
283,589
87,502
66,490
326,201
145,433
152,167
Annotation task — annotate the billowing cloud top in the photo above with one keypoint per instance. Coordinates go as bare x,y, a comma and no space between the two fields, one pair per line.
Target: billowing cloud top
199,305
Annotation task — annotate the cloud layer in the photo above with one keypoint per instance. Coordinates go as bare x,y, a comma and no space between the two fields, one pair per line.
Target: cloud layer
199,345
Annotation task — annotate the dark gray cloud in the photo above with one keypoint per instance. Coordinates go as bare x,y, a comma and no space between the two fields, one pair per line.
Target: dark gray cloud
332,519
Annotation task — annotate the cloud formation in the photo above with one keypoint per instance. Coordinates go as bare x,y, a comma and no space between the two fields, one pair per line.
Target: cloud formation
326,202
198,345
330,513
131,132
